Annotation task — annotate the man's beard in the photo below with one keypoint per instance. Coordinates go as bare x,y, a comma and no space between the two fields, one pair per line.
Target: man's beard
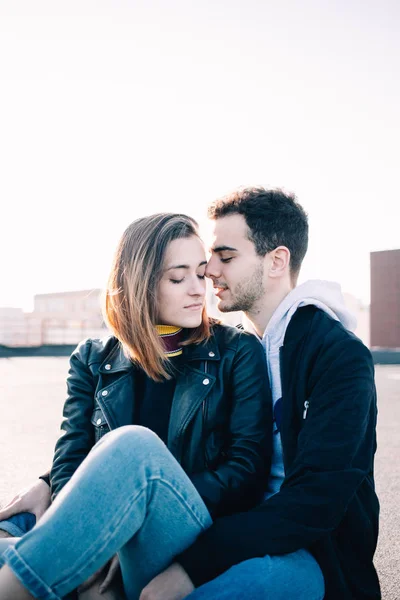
247,293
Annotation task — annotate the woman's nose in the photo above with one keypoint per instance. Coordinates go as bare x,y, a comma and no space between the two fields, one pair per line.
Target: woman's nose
198,287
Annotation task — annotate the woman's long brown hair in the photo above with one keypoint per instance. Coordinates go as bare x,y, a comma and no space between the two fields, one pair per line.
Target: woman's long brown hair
130,307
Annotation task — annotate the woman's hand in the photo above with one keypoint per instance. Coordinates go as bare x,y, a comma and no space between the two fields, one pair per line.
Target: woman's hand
102,579
34,499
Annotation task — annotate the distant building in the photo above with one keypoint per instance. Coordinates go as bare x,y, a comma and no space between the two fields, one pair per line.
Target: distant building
13,327
385,299
69,317
59,318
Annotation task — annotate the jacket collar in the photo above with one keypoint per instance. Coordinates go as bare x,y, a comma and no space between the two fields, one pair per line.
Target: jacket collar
117,361
206,351
192,387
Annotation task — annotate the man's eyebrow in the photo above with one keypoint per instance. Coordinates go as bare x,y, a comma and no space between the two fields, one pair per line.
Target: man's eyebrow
223,248
203,262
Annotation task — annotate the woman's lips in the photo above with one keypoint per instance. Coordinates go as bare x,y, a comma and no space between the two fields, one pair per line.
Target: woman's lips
194,307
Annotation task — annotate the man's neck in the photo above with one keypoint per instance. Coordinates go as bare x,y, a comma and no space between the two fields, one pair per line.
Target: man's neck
260,315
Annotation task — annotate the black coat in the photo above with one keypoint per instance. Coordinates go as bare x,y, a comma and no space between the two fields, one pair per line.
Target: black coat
221,418
327,502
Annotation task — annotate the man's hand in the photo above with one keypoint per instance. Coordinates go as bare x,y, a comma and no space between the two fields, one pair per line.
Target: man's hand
34,499
172,584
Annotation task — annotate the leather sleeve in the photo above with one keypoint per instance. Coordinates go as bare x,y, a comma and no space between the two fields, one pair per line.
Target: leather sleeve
240,481
77,436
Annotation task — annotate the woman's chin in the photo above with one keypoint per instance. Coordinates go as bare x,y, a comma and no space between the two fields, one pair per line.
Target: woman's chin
190,322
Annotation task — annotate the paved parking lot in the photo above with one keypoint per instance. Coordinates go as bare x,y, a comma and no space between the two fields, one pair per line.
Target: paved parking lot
32,393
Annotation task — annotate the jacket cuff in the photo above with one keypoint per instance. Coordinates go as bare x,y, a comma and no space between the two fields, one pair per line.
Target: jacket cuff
46,478
193,561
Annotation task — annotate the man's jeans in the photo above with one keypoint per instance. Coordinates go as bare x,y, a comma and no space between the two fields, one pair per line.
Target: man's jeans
132,497
295,576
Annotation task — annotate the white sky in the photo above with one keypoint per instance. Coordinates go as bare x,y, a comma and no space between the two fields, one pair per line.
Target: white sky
112,110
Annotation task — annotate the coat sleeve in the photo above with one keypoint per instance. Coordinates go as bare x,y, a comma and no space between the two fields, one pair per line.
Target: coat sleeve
240,481
334,456
77,436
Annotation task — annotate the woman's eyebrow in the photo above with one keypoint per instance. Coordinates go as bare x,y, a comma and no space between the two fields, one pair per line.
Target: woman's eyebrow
203,262
178,267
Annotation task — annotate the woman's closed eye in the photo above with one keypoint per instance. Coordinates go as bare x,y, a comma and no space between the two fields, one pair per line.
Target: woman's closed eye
225,260
180,280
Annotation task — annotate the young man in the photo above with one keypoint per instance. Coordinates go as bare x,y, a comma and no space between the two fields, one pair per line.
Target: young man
316,532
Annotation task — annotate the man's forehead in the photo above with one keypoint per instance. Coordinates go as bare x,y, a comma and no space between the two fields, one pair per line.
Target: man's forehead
229,231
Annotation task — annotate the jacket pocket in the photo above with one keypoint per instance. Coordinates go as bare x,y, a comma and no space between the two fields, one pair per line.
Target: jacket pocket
99,424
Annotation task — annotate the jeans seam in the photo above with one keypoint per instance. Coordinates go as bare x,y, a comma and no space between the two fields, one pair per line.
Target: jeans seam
181,497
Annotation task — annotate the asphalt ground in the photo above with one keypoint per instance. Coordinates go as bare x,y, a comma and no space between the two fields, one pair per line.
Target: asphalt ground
32,392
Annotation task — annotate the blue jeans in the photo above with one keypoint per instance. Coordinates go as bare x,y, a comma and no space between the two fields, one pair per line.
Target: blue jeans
129,496
295,576
132,497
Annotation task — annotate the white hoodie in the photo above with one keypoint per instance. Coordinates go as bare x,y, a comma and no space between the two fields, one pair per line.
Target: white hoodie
328,297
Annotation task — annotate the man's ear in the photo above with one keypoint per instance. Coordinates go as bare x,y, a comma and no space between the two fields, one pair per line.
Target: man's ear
279,261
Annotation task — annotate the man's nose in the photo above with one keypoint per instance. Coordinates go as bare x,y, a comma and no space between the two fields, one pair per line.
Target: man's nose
212,269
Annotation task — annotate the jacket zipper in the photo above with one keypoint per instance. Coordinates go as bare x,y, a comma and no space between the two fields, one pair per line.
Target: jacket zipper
204,421
204,401
281,373
306,405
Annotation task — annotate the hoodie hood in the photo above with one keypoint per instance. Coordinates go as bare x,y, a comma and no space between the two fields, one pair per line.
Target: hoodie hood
326,295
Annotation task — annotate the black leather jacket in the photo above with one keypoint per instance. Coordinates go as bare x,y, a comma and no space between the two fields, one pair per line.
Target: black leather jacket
220,425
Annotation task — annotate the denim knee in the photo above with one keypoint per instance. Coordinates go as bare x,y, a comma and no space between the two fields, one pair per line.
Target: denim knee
135,437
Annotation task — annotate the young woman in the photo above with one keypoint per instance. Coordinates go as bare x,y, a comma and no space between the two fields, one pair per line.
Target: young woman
188,403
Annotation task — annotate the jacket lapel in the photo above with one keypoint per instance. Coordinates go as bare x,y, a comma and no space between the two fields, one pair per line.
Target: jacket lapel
192,387
117,399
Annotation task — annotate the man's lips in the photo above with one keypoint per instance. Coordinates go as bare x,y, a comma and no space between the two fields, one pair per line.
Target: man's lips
219,290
